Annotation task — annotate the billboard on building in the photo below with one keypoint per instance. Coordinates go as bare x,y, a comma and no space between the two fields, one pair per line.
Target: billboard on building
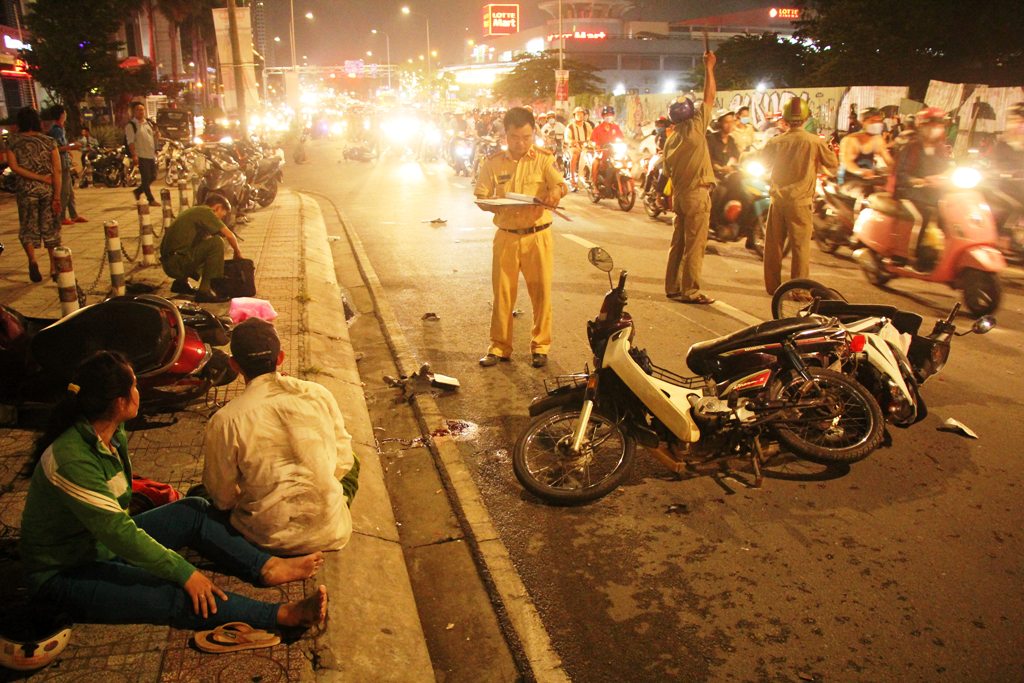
501,20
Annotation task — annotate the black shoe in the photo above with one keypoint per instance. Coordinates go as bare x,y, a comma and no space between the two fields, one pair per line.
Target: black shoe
33,272
181,286
210,298
540,360
491,359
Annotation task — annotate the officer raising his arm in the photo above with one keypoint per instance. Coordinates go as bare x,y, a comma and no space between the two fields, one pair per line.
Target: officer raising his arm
522,241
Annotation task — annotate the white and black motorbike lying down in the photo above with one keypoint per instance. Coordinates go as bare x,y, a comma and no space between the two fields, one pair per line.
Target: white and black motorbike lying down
894,360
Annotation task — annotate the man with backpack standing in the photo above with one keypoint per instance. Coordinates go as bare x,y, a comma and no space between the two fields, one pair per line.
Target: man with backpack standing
141,138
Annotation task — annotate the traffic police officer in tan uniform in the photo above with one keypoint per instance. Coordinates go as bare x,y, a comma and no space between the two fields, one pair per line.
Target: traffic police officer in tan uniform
523,241
688,164
795,158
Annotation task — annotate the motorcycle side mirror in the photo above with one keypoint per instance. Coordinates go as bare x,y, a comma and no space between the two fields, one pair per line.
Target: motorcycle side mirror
601,259
983,324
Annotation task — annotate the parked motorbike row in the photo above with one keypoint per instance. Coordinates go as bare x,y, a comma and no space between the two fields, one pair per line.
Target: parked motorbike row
979,225
245,171
821,382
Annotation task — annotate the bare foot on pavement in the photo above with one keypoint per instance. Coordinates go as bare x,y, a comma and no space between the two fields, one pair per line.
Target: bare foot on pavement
280,570
306,612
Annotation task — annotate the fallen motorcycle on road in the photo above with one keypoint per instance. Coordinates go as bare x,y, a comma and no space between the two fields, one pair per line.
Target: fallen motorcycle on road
749,387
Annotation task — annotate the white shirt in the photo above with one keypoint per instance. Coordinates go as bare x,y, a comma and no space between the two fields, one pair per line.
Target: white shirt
143,136
275,456
553,129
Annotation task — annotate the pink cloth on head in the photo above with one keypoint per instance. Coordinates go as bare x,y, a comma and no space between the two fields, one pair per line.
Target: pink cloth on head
245,307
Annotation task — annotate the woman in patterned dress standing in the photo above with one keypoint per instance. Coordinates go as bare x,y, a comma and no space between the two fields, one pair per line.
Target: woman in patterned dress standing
34,157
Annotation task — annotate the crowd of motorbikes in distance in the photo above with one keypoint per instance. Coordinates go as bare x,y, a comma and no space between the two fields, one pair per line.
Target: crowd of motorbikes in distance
247,170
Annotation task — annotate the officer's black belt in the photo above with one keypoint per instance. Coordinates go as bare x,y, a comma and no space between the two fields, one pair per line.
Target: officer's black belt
527,231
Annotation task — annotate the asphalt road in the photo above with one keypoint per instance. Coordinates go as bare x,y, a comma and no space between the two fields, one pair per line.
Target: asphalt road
906,567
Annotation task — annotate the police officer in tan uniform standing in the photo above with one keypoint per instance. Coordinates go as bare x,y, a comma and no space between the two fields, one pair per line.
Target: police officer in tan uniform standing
795,158
688,163
523,241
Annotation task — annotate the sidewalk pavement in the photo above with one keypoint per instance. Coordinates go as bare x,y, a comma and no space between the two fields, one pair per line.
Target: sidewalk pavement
373,631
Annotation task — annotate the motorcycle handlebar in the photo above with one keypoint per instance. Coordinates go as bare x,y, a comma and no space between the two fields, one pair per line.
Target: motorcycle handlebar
622,279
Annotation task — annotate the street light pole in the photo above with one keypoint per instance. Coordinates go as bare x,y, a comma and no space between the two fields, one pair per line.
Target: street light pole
387,42
291,31
406,10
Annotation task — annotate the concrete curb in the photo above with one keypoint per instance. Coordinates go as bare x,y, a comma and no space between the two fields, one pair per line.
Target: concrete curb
377,636
491,553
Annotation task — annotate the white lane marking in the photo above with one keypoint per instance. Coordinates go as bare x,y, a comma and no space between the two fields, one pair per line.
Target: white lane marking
578,240
736,313
721,306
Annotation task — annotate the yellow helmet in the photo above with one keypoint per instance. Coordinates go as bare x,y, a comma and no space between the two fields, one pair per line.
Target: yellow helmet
796,111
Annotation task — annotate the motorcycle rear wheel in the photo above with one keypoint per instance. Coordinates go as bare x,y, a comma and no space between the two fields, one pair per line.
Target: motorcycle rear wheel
794,296
651,205
545,466
982,291
845,428
266,196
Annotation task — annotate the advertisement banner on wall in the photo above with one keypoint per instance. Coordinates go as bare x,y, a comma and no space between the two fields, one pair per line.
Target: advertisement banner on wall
562,87
501,20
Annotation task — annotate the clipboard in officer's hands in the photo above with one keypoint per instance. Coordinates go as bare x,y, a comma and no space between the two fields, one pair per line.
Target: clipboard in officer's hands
516,199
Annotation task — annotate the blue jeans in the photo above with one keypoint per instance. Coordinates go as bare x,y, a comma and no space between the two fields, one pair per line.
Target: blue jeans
117,593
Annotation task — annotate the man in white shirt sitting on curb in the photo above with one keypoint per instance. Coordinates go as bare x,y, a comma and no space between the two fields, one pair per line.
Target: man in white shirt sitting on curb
278,456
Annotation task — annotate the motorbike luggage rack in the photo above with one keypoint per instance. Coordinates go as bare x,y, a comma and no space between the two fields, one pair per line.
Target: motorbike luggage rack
665,375
573,381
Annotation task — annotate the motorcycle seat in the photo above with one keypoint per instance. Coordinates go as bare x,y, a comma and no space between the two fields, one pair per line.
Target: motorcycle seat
701,354
137,329
883,202
907,323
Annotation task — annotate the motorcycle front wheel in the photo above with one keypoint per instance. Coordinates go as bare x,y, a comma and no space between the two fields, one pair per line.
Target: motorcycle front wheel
651,205
627,195
545,465
793,297
840,423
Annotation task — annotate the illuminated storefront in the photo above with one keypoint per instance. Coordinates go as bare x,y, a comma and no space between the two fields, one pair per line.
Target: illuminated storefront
632,54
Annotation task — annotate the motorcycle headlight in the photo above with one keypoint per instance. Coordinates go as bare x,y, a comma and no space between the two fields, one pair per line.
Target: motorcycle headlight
197,140
755,169
617,164
619,148
966,178
226,140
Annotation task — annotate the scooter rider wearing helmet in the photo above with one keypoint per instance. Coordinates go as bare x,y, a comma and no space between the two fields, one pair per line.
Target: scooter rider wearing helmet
605,133
794,158
859,151
688,164
576,134
921,168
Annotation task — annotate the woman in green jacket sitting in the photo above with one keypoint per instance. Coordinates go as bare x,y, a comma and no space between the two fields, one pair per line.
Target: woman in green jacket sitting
83,552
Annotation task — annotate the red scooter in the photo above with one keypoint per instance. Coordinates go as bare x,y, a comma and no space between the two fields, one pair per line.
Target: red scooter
169,347
964,252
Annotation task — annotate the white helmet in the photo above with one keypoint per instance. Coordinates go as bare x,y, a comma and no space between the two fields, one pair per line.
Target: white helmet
34,643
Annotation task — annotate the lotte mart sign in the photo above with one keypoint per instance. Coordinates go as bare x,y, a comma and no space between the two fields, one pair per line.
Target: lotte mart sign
501,20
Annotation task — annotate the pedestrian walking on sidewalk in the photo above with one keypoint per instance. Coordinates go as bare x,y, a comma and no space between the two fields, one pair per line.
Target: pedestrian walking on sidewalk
86,556
33,156
193,247
522,242
142,138
688,164
795,158
278,457
68,213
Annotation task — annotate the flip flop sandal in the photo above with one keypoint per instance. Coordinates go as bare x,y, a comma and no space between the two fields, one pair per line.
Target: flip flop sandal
234,637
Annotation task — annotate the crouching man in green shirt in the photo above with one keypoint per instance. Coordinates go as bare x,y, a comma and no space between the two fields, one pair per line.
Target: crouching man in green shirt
192,248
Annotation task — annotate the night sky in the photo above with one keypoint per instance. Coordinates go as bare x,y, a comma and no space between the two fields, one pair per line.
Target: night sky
341,28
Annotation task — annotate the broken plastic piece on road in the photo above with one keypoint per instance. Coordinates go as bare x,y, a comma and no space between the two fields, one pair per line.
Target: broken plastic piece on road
333,238
436,221
956,426
431,316
516,312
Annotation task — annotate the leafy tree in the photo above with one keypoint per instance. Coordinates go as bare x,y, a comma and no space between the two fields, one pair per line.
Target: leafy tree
745,61
72,49
880,42
533,78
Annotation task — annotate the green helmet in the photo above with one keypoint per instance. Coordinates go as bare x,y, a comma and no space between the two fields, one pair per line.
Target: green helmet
796,111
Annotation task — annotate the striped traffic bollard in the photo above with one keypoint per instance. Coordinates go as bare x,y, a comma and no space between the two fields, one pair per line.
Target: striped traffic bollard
66,284
165,203
145,235
182,196
114,257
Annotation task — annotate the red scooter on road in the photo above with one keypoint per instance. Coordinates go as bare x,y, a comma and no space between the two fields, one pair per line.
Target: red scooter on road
964,251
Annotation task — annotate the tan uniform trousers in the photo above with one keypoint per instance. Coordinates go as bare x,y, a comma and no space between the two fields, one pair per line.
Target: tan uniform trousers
793,222
689,237
533,255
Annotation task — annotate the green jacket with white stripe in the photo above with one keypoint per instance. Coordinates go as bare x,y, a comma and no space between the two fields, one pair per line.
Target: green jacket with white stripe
77,511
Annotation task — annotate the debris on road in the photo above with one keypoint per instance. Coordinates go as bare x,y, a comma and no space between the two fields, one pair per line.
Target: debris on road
516,312
437,221
956,426
431,316
421,380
